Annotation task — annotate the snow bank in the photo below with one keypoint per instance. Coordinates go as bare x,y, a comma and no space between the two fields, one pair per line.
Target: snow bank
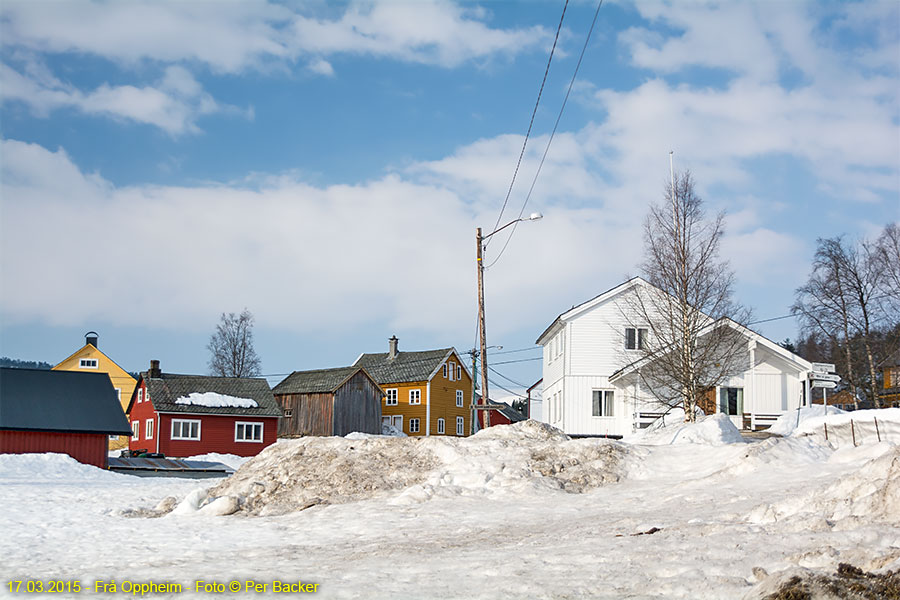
214,400
31,467
853,428
711,430
787,422
528,457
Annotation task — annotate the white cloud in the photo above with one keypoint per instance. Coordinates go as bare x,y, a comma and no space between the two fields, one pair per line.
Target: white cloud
174,104
234,36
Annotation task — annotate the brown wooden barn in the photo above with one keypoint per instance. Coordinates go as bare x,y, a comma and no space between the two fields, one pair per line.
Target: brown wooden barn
329,402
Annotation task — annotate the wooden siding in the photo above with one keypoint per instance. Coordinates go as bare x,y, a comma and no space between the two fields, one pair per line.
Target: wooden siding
217,434
357,406
311,414
403,407
87,448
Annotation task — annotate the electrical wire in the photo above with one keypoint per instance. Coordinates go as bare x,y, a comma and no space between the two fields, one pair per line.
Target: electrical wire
552,135
531,123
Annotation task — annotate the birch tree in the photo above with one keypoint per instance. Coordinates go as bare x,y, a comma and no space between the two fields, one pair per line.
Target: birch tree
694,342
231,347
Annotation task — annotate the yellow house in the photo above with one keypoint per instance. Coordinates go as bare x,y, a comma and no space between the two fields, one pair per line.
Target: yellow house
89,359
890,393
426,393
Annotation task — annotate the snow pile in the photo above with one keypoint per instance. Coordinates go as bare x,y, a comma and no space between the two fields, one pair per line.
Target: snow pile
760,456
867,495
854,428
388,429
230,460
525,457
711,430
49,466
214,400
787,423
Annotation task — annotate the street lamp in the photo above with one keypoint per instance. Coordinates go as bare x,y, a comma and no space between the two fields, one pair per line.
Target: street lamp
479,243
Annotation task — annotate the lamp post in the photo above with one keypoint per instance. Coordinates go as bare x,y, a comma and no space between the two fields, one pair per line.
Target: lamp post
482,335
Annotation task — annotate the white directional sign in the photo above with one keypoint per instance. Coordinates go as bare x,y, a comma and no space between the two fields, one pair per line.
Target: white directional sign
829,385
824,377
823,367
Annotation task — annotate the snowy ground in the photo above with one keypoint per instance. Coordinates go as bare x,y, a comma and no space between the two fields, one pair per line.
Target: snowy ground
513,512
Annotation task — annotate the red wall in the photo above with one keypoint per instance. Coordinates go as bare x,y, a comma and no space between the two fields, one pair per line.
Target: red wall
216,433
497,418
87,448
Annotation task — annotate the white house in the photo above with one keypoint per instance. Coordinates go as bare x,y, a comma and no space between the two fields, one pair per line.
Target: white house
592,358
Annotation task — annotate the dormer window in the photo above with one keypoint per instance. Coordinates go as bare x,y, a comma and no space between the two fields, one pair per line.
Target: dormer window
87,363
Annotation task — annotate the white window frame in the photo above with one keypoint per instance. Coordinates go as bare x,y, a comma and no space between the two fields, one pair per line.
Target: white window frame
640,338
135,430
603,403
119,394
254,424
459,372
288,413
460,398
390,397
395,420
460,426
452,371
181,437
148,429
440,426
140,395
414,426
88,363
415,396
444,370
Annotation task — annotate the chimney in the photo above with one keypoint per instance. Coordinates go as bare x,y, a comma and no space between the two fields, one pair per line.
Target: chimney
392,354
154,372
91,338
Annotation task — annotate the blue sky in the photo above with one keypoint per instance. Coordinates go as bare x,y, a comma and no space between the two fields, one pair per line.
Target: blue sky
326,164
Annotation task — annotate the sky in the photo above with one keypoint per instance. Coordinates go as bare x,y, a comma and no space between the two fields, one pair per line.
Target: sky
325,165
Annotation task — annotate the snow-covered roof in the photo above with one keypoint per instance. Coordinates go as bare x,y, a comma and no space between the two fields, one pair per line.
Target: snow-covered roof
214,400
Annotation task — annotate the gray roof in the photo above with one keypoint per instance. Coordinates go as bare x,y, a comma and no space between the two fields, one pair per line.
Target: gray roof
318,381
63,401
168,387
404,367
512,414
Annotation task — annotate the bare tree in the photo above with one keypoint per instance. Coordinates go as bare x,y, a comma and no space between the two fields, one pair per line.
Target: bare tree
694,339
845,292
231,347
887,261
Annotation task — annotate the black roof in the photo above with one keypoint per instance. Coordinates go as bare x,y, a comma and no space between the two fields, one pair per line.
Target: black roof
62,401
169,387
318,381
404,367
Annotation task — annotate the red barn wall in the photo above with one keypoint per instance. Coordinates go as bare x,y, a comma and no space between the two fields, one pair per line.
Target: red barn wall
216,435
87,448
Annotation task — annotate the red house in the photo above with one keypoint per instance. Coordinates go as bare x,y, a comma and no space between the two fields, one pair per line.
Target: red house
59,411
504,415
187,415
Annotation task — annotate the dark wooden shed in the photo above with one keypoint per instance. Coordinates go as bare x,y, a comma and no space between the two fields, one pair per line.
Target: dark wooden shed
329,402
59,411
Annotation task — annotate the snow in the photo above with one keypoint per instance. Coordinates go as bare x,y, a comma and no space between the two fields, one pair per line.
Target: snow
214,400
231,460
786,423
714,430
514,511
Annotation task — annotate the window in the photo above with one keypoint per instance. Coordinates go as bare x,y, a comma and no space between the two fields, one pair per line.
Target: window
148,429
459,398
135,430
183,429
444,369
635,338
458,372
452,370
415,397
140,395
394,420
248,432
603,403
731,401
391,398
288,413
440,426
414,426
119,394
460,424
87,363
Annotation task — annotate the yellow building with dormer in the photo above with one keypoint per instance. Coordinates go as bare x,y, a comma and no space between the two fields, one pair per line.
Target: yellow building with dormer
426,392
89,359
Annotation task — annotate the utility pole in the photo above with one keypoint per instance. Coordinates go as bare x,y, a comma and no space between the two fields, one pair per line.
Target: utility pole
482,335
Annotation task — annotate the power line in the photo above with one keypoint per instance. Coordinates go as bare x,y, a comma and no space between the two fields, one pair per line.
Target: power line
517,350
513,381
552,135
509,362
531,123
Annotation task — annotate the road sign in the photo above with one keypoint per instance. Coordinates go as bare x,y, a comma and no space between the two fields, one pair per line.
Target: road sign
824,377
823,367
829,385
